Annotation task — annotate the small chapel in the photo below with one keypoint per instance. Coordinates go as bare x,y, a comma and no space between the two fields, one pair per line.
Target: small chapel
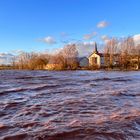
96,58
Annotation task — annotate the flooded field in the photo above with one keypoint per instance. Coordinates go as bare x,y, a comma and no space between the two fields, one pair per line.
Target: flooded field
69,105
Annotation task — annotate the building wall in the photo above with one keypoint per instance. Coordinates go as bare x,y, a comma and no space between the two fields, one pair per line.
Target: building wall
100,60
84,62
94,56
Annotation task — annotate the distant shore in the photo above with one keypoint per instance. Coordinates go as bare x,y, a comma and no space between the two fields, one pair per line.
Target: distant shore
81,69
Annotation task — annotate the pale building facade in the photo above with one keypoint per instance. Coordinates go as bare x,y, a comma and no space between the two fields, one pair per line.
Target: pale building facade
96,58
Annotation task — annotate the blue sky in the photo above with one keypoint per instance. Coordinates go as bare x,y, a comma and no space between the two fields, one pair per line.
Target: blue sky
38,25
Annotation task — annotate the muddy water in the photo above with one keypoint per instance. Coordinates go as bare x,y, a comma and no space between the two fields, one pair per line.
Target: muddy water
78,105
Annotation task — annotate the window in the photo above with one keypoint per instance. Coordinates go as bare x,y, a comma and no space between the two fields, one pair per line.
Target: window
94,60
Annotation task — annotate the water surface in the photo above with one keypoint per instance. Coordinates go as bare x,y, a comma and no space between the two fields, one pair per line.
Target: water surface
69,105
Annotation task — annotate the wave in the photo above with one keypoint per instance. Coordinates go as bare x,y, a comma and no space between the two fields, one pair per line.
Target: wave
69,105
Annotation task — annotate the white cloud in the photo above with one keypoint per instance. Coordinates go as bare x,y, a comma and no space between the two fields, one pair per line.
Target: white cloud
136,39
89,36
105,38
85,48
102,24
49,40
16,52
6,55
6,58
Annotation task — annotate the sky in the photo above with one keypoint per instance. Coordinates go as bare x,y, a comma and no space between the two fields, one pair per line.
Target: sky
44,25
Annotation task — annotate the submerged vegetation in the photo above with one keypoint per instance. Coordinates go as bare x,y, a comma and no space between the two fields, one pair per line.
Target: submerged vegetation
65,58
125,51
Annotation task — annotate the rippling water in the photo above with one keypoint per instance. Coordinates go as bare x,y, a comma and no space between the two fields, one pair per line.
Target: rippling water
69,105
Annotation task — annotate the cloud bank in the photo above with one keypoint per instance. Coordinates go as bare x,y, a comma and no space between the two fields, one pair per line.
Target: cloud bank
105,38
136,39
6,58
85,48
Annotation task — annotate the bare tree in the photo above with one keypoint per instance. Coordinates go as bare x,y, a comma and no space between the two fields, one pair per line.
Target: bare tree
127,48
121,51
69,54
137,51
110,51
30,60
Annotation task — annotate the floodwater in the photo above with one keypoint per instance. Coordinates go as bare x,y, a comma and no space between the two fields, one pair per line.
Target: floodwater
69,105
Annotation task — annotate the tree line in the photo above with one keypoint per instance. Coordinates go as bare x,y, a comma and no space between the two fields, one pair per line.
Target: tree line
118,53
65,58
122,53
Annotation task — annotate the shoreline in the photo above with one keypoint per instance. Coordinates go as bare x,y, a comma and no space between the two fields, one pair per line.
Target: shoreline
125,70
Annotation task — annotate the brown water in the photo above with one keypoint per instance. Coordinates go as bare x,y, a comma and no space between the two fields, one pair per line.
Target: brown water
69,105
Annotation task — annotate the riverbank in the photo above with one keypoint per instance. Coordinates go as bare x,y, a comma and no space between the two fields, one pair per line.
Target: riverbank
82,69
6,67
9,67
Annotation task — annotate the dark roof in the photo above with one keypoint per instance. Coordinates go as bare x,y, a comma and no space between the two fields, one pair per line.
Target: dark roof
103,54
100,54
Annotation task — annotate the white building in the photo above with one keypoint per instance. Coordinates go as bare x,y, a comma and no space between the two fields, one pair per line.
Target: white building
96,58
